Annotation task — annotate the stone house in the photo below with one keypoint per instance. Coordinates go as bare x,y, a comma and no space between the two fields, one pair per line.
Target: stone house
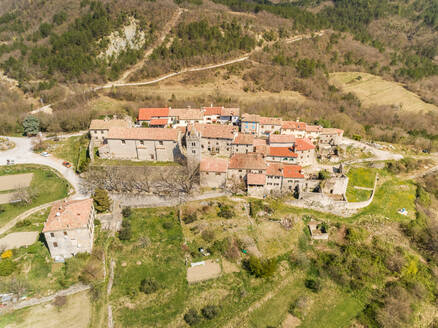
331,136
305,150
335,186
282,155
296,128
282,140
145,144
255,183
69,228
250,123
145,115
313,132
221,115
242,164
213,172
293,178
99,128
216,139
185,116
243,144
270,125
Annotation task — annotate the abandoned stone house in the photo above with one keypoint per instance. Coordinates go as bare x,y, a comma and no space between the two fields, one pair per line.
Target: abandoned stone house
331,136
145,144
213,172
270,125
99,128
69,228
295,128
185,116
242,164
250,123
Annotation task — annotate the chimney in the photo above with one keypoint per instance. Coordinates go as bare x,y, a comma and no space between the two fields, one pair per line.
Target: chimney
298,119
211,105
58,214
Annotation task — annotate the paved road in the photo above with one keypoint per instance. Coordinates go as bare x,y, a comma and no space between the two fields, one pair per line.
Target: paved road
23,154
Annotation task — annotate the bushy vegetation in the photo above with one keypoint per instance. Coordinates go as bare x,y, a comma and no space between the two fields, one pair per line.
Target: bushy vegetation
261,268
102,202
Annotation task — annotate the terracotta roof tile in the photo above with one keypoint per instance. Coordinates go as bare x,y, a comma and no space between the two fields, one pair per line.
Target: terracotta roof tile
281,138
292,172
216,131
250,161
270,120
262,149
332,131
313,128
145,114
256,179
282,152
106,124
212,110
275,169
293,125
214,165
302,144
143,133
244,139
187,113
250,118
259,142
230,111
69,215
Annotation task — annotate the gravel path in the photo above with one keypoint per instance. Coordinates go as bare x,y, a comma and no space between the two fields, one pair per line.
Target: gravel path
23,154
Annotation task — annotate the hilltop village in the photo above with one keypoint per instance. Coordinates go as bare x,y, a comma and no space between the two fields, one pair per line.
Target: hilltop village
264,154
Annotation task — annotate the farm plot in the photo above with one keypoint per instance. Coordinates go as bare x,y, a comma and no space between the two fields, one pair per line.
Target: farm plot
15,181
373,90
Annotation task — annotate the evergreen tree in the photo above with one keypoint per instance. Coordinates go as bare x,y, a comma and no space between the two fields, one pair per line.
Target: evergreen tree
31,126
102,202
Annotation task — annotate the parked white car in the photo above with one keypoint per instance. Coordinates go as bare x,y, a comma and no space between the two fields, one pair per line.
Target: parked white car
45,154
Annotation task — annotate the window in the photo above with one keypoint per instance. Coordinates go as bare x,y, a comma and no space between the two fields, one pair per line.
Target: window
240,170
123,142
141,142
160,143
217,173
194,151
65,233
152,156
55,244
52,234
101,131
193,144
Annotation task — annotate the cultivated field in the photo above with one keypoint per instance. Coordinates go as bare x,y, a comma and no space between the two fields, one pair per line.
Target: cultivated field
373,90
15,181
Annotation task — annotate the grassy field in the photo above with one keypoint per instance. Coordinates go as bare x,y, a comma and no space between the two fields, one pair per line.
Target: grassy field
75,314
73,149
48,185
360,177
33,222
373,90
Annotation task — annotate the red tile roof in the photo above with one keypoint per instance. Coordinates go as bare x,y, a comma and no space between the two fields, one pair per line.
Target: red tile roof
332,131
69,215
158,121
216,131
214,165
244,139
292,172
250,161
250,118
270,120
281,138
292,125
281,152
313,128
259,142
187,113
256,179
212,110
230,111
143,133
106,124
145,114
262,149
302,144
275,169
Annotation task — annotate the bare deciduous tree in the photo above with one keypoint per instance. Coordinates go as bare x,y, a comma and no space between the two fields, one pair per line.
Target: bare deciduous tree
25,195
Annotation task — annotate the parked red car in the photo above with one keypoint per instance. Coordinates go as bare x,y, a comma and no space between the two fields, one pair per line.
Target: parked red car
66,164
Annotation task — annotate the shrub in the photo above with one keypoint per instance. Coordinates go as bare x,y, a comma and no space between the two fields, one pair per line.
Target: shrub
225,211
192,317
167,225
324,174
210,311
102,202
313,285
7,266
208,235
126,212
191,217
125,233
260,268
60,301
7,254
148,286
23,223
